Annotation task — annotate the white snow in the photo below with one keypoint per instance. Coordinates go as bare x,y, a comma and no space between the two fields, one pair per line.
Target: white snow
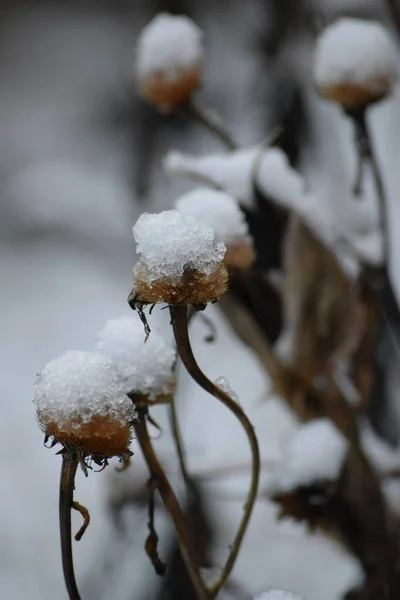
277,595
234,172
169,45
218,210
169,241
145,368
315,453
354,51
78,386
226,387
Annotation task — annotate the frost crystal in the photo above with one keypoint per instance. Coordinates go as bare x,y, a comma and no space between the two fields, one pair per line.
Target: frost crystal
353,51
169,242
78,386
169,45
277,595
316,453
217,209
144,368
225,386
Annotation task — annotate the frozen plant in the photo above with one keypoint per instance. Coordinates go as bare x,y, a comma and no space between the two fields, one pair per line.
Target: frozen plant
355,63
80,405
222,213
169,60
140,368
180,261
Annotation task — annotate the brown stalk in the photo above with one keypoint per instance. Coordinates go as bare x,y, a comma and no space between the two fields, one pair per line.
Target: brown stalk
209,120
66,503
179,319
171,503
176,434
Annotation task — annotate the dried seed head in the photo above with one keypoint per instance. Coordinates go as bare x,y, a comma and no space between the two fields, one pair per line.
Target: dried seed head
355,63
179,260
169,61
222,213
141,368
79,404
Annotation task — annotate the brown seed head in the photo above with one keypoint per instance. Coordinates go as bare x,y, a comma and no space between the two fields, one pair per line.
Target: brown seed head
239,256
170,94
353,95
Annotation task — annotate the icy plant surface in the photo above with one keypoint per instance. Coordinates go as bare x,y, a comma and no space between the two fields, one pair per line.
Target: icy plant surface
169,241
217,209
356,52
145,368
316,453
168,45
277,595
226,387
80,384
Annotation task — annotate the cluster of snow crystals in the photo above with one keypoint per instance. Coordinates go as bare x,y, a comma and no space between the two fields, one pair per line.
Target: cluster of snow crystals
169,45
357,52
145,368
217,209
225,386
316,453
169,241
277,595
234,172
80,384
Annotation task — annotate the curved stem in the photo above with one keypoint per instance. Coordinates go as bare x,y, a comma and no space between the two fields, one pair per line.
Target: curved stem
179,324
211,121
67,484
188,552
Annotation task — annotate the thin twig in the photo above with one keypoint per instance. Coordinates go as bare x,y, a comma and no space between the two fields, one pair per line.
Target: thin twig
67,484
171,503
151,544
176,434
180,327
210,121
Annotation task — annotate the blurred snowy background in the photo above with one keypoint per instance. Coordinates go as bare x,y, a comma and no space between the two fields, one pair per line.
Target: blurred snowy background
79,160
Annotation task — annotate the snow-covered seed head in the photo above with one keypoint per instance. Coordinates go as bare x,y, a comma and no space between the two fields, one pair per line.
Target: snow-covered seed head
169,61
142,369
80,405
355,63
222,213
180,262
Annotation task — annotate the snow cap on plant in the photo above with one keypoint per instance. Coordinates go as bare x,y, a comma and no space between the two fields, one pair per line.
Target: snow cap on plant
169,61
222,213
355,63
141,368
79,404
275,594
180,261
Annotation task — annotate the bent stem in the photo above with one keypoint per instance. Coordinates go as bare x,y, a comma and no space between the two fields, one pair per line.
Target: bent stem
176,434
170,501
66,503
180,326
211,121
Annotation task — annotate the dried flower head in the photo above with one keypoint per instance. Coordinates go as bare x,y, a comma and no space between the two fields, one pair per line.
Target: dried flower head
80,405
180,261
222,213
169,61
141,368
355,63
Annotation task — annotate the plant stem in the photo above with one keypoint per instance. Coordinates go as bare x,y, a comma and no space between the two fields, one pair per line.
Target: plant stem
210,120
188,552
180,327
366,151
176,433
67,484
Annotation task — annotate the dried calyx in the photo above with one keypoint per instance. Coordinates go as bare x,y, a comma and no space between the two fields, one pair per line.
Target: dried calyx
180,261
169,61
355,63
222,213
144,370
80,406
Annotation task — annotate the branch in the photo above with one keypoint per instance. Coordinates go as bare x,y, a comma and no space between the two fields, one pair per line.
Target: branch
211,121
